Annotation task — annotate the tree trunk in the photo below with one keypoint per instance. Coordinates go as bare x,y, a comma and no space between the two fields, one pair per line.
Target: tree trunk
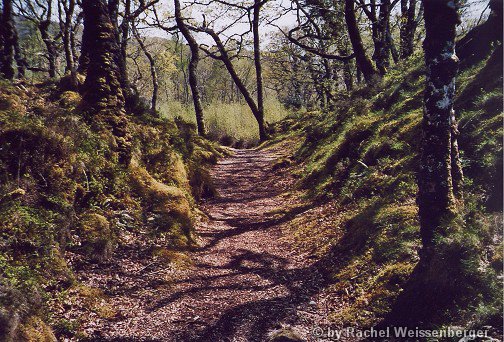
258,69
434,289
358,75
52,51
124,28
8,33
193,70
327,82
347,75
437,175
363,62
380,39
408,27
102,90
86,46
152,64
66,12
391,46
73,46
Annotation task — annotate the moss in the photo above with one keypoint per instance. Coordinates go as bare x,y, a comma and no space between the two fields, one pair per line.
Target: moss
62,188
70,100
281,163
174,258
96,301
35,330
360,161
169,204
284,334
375,296
97,237
12,99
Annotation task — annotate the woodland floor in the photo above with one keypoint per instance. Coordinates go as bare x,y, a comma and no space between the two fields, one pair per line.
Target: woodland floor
243,281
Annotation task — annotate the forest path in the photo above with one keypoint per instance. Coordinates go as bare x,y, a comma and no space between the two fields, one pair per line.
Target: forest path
245,279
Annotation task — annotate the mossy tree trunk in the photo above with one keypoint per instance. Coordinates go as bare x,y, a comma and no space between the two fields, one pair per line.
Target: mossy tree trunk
102,91
440,175
380,39
50,43
192,69
440,282
8,37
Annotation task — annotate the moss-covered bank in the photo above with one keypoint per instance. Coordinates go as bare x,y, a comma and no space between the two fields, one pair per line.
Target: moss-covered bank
62,189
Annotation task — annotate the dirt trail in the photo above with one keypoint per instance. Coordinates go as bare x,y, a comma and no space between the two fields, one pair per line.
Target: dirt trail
245,279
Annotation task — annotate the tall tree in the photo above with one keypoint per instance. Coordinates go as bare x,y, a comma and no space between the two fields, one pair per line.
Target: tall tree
224,56
409,23
8,38
102,90
380,30
193,69
256,12
363,62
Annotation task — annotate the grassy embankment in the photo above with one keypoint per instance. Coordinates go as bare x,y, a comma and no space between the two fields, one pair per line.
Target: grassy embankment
357,164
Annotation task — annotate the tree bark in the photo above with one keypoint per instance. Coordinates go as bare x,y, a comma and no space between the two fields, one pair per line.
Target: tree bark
408,27
380,39
363,62
102,90
263,135
8,34
193,70
66,12
439,168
